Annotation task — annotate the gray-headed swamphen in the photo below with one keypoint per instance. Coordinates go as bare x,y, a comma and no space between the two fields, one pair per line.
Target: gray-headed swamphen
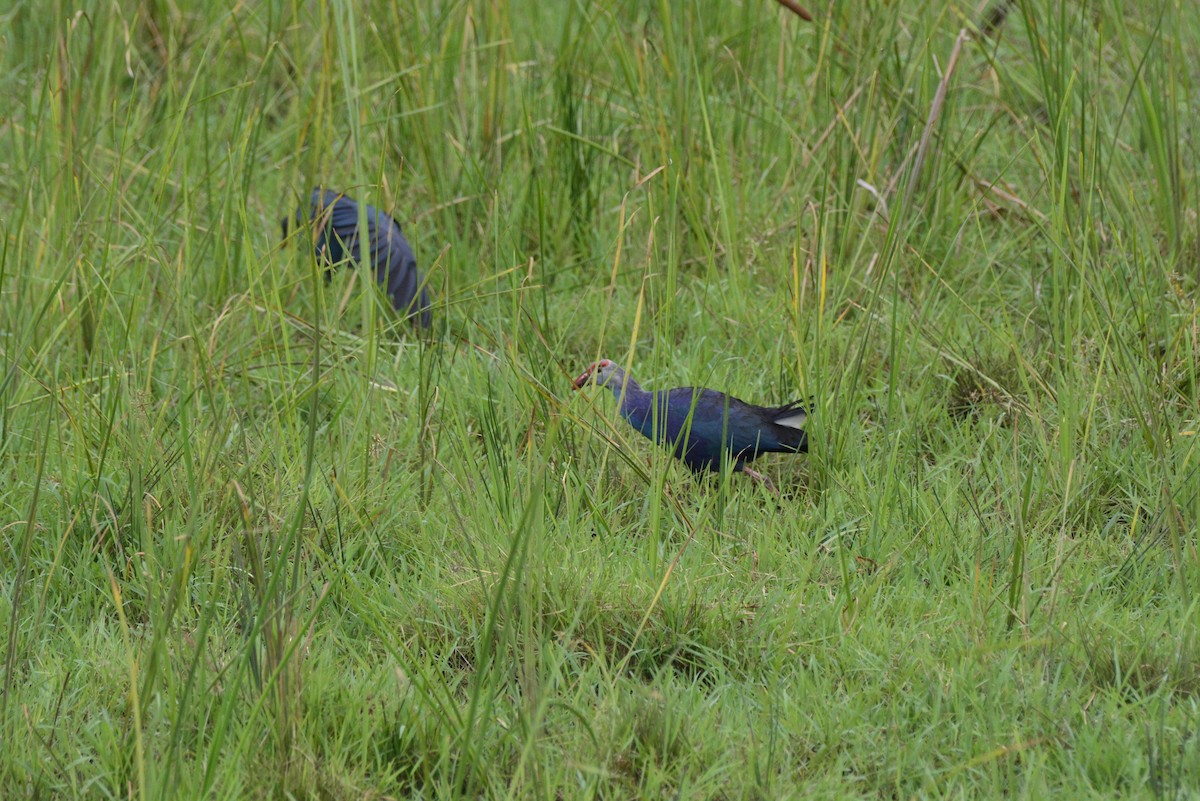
702,425
335,224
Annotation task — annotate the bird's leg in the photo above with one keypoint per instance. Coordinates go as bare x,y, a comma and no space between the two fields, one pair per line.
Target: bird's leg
757,476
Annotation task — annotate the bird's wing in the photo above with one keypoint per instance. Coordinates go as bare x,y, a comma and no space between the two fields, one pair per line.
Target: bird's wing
745,427
397,266
338,217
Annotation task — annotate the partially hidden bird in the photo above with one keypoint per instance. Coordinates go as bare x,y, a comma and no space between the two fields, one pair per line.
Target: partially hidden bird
703,426
334,218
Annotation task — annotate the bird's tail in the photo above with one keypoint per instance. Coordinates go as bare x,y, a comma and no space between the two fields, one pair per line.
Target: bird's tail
790,415
789,421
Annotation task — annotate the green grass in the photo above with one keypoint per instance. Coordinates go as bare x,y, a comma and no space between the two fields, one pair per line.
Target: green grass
259,541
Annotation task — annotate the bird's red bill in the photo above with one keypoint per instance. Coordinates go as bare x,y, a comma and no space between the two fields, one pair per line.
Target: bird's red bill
583,379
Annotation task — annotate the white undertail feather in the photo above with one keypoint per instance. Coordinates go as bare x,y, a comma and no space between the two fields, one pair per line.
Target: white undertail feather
795,420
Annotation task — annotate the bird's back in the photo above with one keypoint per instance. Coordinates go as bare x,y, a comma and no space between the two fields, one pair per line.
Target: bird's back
702,424
392,259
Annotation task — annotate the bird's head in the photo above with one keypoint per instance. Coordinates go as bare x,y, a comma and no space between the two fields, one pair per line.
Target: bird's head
598,373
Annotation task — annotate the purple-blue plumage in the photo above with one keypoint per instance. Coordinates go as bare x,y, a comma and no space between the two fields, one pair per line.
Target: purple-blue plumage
701,425
335,219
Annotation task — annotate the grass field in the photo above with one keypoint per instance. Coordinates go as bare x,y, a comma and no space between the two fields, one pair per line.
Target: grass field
259,540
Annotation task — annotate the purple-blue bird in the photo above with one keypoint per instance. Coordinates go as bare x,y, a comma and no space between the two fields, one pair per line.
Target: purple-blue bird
702,426
335,225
